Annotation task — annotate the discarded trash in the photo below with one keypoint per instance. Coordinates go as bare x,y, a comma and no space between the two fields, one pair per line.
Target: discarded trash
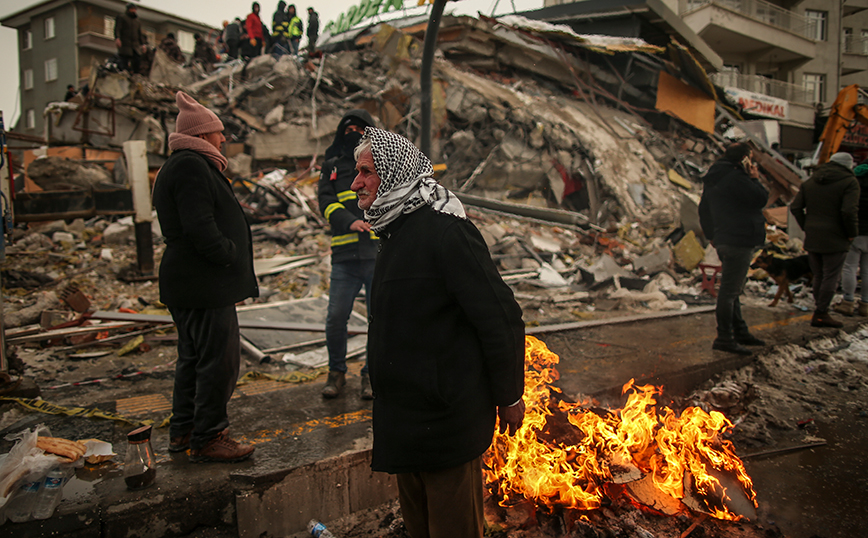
139,464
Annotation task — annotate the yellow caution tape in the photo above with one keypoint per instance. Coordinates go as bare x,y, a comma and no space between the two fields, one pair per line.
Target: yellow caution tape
52,409
290,377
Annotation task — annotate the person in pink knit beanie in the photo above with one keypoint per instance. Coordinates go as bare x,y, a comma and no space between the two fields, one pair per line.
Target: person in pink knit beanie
206,269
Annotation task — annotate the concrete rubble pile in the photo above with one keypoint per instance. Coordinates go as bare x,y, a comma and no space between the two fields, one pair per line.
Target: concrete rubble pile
586,207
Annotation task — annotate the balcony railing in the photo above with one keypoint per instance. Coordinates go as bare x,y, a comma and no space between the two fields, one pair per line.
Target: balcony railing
763,85
854,45
762,11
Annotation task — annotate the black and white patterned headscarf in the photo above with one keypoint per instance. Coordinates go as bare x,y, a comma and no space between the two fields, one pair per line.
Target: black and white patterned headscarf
406,181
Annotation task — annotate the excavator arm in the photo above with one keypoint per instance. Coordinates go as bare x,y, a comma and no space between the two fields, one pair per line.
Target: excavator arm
846,110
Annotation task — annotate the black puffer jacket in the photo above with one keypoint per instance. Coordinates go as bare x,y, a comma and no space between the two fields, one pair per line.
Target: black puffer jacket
445,344
208,261
338,204
730,211
827,209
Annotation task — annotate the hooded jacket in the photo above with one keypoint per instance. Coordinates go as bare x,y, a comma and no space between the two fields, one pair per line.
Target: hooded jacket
730,211
279,21
338,204
295,24
827,209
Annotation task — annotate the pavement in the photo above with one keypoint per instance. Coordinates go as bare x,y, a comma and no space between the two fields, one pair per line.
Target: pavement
312,455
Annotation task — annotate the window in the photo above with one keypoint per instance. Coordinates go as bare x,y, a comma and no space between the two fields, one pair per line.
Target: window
28,79
186,41
50,70
31,118
815,87
847,44
28,40
109,26
49,28
864,46
816,24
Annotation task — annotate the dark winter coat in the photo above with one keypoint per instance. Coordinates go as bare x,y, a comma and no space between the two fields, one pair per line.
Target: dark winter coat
129,30
312,25
279,21
827,209
232,32
731,208
445,344
338,204
208,261
863,205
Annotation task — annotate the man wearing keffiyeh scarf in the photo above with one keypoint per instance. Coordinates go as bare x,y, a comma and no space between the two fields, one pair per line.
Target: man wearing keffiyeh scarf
445,340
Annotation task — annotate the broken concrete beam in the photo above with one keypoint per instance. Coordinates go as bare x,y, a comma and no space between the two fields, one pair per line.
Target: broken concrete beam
292,142
58,173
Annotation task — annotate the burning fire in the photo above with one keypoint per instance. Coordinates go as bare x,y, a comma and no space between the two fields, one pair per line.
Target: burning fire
566,454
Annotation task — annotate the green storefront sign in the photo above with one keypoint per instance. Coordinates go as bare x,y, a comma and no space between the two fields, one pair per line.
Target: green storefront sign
365,10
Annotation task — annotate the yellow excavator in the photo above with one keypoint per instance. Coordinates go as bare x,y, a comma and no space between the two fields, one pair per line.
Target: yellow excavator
846,111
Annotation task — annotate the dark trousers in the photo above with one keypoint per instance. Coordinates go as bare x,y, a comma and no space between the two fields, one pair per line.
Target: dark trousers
827,271
735,261
209,358
346,281
129,63
443,504
232,48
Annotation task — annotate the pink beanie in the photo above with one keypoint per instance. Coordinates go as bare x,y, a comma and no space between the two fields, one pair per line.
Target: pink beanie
193,118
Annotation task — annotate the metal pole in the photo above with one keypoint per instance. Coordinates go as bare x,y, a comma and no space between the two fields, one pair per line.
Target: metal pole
425,76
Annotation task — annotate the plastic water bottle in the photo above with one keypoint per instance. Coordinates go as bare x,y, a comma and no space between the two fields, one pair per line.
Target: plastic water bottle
50,494
318,530
19,508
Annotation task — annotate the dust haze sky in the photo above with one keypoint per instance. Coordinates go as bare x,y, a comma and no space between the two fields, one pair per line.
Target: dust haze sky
212,12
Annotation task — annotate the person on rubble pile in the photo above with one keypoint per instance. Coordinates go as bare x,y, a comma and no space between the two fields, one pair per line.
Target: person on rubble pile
203,53
171,48
206,268
856,262
254,26
445,340
232,37
129,39
353,246
70,92
731,216
312,31
295,29
280,29
827,209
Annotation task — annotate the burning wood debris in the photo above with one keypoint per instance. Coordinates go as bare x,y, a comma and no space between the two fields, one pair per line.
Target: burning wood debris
571,456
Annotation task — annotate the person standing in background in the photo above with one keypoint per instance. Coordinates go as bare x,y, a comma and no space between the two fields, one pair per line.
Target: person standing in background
295,29
253,25
353,246
312,30
827,209
129,39
232,37
857,256
731,216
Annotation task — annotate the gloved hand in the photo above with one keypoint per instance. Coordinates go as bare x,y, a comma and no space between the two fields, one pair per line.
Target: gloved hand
253,41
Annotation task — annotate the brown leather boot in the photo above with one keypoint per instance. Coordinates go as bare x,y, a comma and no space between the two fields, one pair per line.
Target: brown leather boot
863,308
222,448
824,319
334,384
845,307
179,444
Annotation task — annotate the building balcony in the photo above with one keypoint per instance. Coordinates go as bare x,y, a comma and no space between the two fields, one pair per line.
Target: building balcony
851,7
754,28
800,110
854,55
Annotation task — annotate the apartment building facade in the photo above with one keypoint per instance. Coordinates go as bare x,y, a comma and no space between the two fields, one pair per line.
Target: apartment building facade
786,58
61,41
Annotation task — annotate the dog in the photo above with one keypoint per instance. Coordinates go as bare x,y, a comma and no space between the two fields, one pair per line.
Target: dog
784,271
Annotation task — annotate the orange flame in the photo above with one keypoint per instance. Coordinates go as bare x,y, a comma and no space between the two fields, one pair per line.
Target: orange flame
556,465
